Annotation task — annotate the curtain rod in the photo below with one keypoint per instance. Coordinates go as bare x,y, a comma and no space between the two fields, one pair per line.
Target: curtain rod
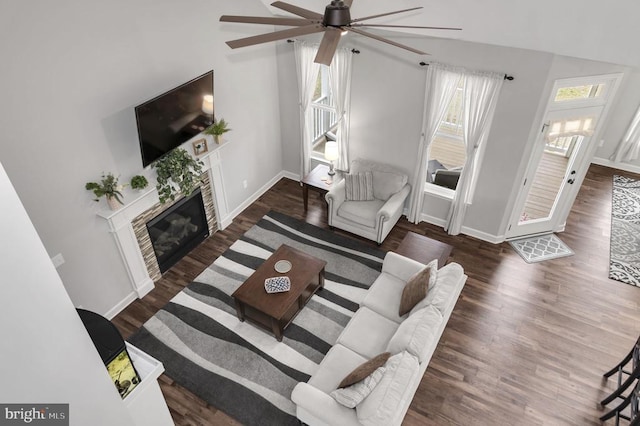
506,76
355,51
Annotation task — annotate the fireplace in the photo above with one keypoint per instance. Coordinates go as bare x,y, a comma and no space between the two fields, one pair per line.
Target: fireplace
153,255
178,230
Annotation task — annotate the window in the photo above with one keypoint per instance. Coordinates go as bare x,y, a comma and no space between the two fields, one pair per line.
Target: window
447,150
574,93
324,112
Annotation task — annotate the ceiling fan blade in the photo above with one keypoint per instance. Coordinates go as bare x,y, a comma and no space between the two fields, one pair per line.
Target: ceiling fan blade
277,35
291,22
385,40
305,13
406,26
385,14
328,46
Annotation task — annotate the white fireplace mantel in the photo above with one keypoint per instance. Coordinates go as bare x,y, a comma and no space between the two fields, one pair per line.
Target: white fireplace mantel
137,202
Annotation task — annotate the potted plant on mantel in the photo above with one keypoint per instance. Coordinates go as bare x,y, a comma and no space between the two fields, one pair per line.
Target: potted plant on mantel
218,129
109,188
139,182
177,172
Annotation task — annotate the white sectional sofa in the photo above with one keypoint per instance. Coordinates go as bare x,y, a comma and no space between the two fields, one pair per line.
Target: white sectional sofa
375,328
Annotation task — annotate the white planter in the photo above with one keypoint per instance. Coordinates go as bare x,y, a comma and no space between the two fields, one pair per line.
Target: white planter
114,204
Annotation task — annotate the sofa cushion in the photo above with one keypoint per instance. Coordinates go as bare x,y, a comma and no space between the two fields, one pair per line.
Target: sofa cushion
367,333
354,394
416,334
336,364
358,186
440,295
383,403
361,212
384,296
364,370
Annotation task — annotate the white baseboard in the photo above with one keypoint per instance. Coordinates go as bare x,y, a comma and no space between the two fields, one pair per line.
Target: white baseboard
121,305
291,175
633,168
252,198
432,220
493,239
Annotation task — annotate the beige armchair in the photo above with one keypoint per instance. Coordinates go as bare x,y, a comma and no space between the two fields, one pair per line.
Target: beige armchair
374,218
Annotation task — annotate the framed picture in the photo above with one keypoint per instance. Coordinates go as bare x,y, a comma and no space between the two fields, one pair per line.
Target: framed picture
200,146
123,373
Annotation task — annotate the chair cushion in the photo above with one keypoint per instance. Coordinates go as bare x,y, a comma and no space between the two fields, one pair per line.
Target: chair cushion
386,179
384,296
361,212
367,333
383,403
365,369
359,186
386,184
354,394
336,364
416,334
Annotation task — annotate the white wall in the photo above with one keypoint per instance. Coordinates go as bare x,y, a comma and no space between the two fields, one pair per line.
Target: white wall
387,101
47,354
71,75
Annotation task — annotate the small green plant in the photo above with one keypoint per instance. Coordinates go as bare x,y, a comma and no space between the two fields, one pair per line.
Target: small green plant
139,182
108,187
217,129
177,172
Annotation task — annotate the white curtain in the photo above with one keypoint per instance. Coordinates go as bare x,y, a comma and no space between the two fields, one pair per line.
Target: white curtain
307,72
340,82
629,146
440,88
480,97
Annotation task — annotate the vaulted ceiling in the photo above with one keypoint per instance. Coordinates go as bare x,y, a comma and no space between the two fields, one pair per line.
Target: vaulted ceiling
590,29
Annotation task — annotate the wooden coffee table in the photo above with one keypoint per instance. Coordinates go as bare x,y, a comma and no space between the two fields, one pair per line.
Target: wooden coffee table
275,311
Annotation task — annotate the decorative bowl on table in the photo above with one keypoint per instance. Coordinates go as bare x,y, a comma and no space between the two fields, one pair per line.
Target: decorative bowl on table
277,284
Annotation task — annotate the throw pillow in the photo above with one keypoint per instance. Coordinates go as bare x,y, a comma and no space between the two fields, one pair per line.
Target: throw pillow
415,290
354,394
365,369
359,186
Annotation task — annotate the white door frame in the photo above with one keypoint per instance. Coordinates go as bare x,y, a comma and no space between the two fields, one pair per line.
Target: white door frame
557,221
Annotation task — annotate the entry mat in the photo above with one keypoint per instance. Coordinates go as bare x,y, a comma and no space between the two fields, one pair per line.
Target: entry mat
541,247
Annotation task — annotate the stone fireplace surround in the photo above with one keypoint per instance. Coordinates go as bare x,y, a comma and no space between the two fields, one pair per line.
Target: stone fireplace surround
140,206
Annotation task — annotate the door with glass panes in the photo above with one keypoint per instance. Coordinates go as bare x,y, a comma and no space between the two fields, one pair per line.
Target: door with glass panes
562,154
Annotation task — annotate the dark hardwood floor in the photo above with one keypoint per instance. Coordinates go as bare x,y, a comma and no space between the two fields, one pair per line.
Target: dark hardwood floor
527,344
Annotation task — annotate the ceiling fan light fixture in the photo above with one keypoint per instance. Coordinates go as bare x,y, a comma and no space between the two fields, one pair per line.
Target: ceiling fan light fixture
336,14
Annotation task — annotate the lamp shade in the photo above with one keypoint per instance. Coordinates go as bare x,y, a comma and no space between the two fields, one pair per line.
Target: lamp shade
331,150
207,104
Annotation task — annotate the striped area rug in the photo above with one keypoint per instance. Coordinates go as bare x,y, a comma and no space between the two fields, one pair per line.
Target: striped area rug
235,366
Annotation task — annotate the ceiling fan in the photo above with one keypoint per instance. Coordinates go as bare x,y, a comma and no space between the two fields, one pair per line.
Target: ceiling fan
336,19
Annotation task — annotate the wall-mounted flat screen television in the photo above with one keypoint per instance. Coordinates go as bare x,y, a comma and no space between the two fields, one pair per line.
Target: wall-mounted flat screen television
168,120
